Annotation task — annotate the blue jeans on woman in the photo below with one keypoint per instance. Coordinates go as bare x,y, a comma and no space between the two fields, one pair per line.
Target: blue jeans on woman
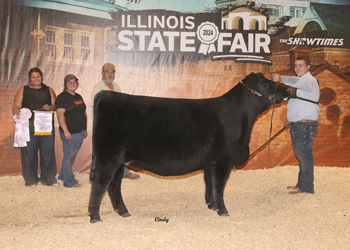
70,150
303,134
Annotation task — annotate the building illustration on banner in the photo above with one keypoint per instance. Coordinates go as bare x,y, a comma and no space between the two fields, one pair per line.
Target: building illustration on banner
251,20
322,25
245,19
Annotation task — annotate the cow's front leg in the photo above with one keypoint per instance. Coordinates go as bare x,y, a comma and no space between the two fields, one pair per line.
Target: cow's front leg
219,178
114,191
209,199
96,194
99,185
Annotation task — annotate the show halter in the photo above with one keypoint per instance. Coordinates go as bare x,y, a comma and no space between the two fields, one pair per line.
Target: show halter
253,91
22,127
272,99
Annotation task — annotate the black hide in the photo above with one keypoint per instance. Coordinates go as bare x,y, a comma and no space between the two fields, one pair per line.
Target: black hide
175,136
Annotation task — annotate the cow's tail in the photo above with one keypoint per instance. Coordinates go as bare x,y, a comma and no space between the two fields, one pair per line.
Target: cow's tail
93,160
93,165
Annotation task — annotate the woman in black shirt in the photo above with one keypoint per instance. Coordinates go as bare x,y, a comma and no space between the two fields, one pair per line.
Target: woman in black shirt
72,118
37,96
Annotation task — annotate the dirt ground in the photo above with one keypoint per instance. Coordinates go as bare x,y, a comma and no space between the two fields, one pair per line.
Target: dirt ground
170,213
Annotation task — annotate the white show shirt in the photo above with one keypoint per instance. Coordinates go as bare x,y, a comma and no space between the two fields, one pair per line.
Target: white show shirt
307,88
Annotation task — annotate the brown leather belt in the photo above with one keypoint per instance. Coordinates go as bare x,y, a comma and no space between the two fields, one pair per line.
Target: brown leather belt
306,120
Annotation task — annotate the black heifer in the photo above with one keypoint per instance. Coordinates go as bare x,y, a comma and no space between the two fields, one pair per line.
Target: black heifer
172,137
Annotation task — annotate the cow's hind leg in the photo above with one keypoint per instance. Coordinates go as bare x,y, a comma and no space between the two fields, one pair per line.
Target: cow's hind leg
116,195
99,185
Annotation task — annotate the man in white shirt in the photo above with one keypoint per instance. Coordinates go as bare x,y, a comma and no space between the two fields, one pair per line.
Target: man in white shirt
107,83
302,117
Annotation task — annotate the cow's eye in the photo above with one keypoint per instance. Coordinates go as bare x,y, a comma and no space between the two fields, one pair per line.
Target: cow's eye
265,84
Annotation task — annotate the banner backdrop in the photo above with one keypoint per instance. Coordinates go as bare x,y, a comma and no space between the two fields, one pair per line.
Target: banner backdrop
180,49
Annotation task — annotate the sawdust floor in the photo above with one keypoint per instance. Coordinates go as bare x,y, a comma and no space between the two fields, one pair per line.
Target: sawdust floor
170,213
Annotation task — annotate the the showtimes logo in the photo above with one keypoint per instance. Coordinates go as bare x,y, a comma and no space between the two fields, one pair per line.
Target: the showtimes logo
314,41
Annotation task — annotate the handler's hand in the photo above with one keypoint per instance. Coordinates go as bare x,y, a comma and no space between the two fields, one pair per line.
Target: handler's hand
276,77
286,124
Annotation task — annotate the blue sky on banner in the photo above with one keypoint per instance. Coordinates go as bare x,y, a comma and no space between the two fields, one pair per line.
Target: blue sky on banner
176,5
195,5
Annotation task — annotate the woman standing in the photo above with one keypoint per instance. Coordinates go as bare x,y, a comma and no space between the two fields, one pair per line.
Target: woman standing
34,96
72,118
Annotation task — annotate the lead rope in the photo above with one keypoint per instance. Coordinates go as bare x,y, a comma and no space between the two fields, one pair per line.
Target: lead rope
273,110
272,99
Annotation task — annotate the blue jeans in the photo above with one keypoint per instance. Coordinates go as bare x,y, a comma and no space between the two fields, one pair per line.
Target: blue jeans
70,150
29,157
126,171
303,134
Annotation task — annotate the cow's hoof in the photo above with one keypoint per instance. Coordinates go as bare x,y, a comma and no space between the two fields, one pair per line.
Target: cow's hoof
95,220
125,215
123,212
224,214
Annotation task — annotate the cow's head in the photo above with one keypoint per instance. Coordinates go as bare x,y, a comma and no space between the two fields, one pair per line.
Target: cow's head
264,88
